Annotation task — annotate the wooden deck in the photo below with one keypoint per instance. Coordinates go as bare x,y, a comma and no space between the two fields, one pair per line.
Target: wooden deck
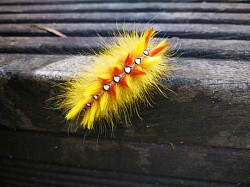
198,137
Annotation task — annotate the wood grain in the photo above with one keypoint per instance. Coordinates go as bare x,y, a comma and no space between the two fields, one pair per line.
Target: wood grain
160,160
142,17
225,49
212,97
196,31
27,2
132,8
198,136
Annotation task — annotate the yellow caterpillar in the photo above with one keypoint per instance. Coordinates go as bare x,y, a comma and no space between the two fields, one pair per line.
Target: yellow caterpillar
127,72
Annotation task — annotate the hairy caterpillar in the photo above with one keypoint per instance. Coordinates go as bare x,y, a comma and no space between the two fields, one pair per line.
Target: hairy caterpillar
127,72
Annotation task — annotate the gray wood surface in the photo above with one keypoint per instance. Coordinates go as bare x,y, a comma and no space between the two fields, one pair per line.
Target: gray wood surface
144,17
212,96
198,136
202,31
27,2
123,7
225,49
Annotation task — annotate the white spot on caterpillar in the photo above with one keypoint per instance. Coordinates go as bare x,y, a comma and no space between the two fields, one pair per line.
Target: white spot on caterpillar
145,52
117,78
95,96
138,60
106,87
128,69
88,104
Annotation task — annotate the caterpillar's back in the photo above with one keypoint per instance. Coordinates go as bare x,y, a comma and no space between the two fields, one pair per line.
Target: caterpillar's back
127,72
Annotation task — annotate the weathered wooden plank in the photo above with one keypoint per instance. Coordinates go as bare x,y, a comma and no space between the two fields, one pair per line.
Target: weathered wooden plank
188,162
211,107
198,135
226,49
202,31
19,172
128,7
28,2
37,66
143,17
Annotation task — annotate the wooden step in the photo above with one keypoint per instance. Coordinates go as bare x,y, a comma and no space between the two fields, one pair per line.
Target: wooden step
198,136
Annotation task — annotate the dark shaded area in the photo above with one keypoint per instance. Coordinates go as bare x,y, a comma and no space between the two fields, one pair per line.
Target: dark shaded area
161,161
